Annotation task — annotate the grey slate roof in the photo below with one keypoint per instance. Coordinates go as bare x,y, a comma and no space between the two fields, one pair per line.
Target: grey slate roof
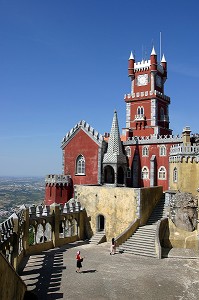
114,152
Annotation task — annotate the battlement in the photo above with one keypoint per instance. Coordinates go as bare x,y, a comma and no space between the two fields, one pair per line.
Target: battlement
145,65
142,65
151,94
87,128
184,150
43,231
58,179
153,139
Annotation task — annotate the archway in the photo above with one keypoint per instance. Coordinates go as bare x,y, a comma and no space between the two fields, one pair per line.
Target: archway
100,223
109,175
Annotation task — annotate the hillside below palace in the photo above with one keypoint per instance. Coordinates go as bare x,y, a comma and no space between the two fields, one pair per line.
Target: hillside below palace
137,158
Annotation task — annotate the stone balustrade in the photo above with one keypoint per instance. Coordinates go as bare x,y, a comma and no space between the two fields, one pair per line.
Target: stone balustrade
39,228
184,150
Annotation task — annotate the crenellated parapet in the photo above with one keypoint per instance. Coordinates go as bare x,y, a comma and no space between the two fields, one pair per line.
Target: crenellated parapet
40,227
184,150
54,179
153,139
47,211
180,153
149,94
87,128
6,230
142,65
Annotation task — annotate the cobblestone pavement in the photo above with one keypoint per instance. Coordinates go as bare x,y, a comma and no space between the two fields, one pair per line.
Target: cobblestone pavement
51,275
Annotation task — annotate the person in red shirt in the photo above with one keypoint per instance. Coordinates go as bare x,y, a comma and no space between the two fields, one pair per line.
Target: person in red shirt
79,262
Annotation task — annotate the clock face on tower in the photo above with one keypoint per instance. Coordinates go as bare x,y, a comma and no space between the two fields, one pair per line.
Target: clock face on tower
142,79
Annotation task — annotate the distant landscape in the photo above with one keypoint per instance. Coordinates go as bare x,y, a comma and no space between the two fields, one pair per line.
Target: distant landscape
16,191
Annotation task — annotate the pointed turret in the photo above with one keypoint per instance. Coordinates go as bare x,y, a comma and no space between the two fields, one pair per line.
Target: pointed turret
114,152
163,59
131,65
164,65
153,60
114,162
153,51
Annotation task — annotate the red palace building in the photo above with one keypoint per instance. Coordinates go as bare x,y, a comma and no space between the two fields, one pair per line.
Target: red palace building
137,158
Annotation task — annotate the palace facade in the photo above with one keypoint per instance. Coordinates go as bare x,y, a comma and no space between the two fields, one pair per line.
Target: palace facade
139,157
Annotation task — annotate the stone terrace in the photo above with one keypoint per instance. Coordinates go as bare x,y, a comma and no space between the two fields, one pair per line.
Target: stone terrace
51,275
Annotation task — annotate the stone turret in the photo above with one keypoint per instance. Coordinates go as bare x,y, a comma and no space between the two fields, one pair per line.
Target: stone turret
114,162
58,189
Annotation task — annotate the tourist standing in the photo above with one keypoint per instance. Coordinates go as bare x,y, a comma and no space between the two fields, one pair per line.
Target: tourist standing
79,260
113,247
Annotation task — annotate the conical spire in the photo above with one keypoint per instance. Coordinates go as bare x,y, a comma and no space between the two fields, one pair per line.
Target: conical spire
163,59
131,56
153,51
114,152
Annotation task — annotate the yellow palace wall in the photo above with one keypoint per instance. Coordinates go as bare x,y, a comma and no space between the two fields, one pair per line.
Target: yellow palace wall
188,176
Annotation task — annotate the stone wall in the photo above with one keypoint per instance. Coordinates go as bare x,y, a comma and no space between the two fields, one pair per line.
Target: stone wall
11,287
178,238
119,206
188,176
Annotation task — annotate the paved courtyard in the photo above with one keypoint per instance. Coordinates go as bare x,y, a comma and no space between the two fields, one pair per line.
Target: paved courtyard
51,275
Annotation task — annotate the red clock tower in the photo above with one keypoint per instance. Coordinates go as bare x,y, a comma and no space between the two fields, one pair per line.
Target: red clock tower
147,105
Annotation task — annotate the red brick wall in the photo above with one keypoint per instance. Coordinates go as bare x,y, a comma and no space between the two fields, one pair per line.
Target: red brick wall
145,161
82,144
56,193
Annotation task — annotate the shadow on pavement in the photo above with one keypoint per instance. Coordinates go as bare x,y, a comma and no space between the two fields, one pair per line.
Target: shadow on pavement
89,271
42,273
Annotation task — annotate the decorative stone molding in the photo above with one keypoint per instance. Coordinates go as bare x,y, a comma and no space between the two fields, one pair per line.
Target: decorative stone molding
58,179
129,97
87,129
153,139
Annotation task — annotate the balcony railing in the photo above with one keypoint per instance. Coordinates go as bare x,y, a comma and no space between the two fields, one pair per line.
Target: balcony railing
184,150
140,117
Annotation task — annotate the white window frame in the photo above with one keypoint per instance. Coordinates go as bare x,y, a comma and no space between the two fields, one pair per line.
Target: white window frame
162,150
128,151
162,173
140,111
145,151
145,173
80,165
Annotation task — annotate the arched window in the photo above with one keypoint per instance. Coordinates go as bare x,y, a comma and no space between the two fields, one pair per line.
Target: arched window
140,111
145,151
175,175
162,173
162,150
145,173
40,234
80,165
48,232
32,237
74,227
128,151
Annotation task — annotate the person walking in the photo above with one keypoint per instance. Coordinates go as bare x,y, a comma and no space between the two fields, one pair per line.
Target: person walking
79,260
113,246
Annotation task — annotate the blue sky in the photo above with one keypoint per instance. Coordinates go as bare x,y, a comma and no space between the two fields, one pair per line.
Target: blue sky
65,61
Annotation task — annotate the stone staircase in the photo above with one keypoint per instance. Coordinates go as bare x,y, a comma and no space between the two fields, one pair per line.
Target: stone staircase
142,242
98,238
